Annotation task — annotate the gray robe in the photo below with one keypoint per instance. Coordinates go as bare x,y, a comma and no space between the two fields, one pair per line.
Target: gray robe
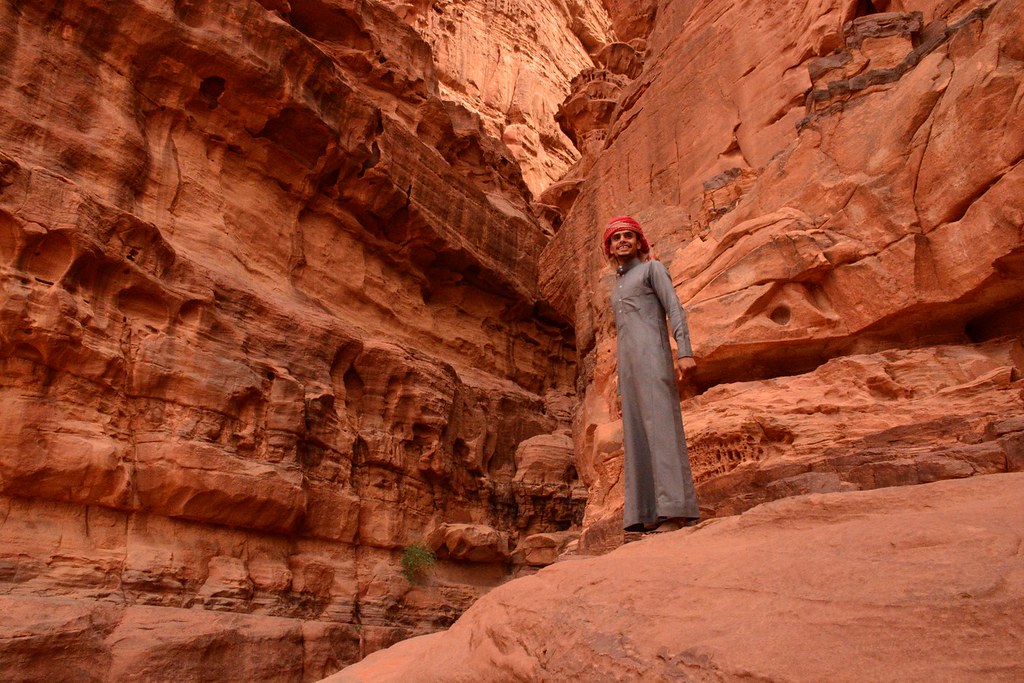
658,480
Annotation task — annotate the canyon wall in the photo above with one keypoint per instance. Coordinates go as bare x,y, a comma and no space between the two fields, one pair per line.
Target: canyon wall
836,189
511,63
291,285
269,315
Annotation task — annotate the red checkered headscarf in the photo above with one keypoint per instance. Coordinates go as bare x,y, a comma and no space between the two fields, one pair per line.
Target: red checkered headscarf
620,223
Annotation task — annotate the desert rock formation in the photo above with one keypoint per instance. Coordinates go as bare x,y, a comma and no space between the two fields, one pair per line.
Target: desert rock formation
796,581
289,285
510,64
269,313
839,202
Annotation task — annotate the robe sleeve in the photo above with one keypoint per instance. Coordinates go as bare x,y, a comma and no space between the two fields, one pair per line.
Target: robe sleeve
661,283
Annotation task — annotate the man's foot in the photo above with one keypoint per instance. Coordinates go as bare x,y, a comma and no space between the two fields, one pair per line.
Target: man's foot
667,525
670,524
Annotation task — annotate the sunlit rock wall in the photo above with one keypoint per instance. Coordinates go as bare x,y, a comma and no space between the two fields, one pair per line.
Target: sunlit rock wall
510,64
269,313
826,181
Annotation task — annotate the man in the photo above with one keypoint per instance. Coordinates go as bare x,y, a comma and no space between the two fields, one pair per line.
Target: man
659,485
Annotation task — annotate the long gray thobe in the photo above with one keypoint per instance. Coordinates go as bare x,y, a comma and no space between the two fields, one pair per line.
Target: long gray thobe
659,484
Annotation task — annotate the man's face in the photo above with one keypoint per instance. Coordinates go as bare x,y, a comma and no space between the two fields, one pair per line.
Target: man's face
623,244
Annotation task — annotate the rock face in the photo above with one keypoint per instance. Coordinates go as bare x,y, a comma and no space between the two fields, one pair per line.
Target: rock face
865,586
840,205
857,422
287,286
510,64
269,313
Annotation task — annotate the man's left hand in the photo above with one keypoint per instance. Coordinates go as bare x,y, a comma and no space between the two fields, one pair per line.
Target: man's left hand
685,368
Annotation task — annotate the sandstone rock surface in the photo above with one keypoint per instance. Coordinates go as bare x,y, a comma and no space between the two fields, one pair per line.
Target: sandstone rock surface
838,188
278,298
910,583
269,313
510,63
858,422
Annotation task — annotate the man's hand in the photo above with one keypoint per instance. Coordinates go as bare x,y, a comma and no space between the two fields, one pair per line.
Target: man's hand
685,367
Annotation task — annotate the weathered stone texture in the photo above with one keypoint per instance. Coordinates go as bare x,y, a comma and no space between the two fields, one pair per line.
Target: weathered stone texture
846,185
871,585
269,313
278,298
510,63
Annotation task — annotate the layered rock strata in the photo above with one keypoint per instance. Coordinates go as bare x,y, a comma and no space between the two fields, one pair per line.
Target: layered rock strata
857,422
276,303
269,314
846,185
510,63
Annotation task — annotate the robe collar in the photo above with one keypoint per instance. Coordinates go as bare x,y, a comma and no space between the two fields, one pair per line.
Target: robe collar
624,268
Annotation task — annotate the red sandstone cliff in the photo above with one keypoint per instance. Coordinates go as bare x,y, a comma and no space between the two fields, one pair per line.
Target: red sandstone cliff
837,191
278,298
269,314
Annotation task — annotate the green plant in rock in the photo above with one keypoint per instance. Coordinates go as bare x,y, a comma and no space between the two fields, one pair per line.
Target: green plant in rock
417,560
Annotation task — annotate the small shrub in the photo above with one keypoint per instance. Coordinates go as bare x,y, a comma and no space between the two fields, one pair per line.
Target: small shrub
417,560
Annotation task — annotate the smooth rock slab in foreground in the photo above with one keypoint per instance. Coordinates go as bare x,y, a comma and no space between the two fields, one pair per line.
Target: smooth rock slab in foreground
910,584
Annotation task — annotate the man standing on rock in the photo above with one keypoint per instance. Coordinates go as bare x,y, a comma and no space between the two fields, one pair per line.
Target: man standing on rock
659,485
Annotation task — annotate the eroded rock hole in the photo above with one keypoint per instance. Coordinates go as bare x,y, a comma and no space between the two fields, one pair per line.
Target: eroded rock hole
353,386
866,7
28,352
372,160
144,305
49,257
780,315
299,133
189,312
345,379
321,21
1003,322
211,89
